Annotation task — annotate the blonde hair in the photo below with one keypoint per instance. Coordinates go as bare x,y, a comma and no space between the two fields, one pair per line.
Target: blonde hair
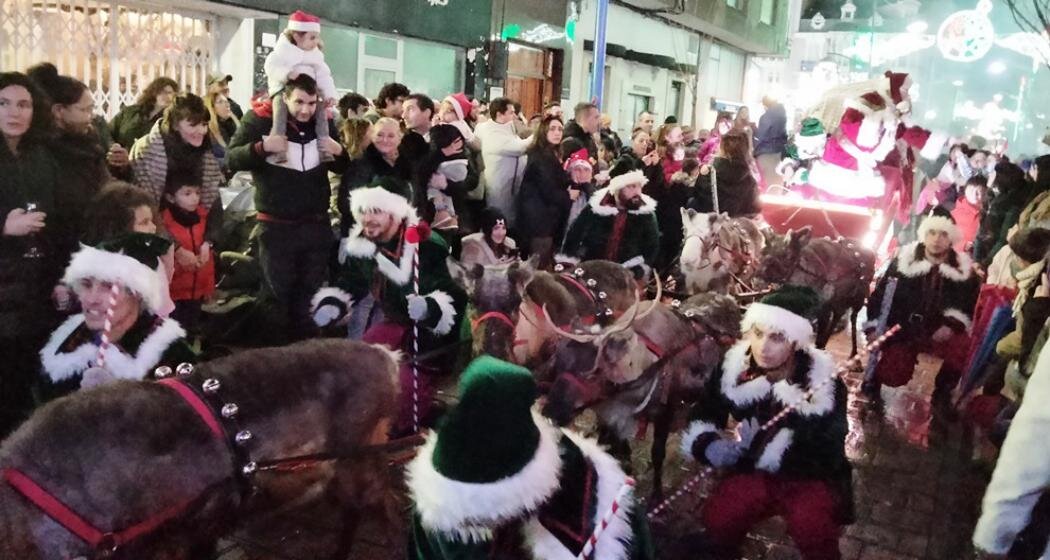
387,121
356,135
290,35
213,121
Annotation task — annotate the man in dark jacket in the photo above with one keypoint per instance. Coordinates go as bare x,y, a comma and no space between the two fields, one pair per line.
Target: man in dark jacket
291,198
933,303
618,224
770,139
580,131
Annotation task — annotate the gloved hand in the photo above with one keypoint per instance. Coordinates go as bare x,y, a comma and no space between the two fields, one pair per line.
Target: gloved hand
723,453
747,431
417,307
325,314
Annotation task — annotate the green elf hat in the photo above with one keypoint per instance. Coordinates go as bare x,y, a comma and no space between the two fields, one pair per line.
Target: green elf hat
387,194
491,434
131,260
790,310
811,137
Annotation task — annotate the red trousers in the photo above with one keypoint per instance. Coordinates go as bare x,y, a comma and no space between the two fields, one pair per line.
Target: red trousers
898,359
808,506
416,392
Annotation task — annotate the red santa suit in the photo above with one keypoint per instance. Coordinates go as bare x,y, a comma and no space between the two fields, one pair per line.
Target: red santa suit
865,135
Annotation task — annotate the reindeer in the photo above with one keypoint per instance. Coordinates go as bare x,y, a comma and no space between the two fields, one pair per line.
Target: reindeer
508,299
839,270
151,453
719,253
642,368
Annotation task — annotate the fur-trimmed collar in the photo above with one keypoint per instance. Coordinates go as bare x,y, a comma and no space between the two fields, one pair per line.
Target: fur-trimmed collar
59,365
469,512
478,240
359,246
597,205
787,391
911,262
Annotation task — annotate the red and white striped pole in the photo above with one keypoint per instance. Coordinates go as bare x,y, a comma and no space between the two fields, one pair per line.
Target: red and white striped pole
692,482
107,328
588,547
412,236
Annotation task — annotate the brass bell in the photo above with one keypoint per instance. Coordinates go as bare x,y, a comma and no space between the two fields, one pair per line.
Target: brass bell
162,372
578,272
250,468
559,267
243,437
690,313
184,369
608,312
211,385
229,410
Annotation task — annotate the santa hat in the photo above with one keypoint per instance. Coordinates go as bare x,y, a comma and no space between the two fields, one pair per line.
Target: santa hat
131,260
578,158
939,218
789,310
302,21
387,194
460,104
898,81
635,177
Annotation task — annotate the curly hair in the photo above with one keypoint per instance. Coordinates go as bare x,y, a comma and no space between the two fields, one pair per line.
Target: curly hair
112,211
147,100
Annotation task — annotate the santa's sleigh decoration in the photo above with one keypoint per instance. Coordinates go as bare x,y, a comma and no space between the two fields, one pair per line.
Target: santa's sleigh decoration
784,212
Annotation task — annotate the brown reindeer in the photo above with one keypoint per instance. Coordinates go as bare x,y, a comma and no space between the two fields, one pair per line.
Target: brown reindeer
641,370
134,452
719,253
507,304
840,271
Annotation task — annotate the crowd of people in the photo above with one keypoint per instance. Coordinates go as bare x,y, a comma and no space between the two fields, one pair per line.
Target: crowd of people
111,230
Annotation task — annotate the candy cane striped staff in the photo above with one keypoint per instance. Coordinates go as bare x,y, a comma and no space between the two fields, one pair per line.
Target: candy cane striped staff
692,482
107,327
588,547
412,237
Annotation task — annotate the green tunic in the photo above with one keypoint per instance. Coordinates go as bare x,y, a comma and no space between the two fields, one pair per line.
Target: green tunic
604,231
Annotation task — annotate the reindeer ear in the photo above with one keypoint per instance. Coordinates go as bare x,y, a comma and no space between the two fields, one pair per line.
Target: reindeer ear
460,275
521,273
800,237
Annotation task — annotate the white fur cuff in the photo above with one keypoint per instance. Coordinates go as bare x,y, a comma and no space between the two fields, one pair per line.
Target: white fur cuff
696,429
448,311
950,313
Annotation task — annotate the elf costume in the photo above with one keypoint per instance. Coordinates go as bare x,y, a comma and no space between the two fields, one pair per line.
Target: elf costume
797,468
927,297
606,230
808,145
385,273
131,261
498,481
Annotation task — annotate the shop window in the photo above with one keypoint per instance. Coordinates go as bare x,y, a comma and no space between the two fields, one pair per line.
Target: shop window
380,62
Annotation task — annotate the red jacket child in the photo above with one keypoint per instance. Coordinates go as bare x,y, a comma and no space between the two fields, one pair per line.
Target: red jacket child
194,278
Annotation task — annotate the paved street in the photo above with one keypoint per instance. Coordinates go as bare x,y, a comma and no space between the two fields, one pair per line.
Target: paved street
917,495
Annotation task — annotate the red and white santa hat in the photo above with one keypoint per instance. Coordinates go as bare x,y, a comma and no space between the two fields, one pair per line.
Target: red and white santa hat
460,104
578,158
898,81
303,21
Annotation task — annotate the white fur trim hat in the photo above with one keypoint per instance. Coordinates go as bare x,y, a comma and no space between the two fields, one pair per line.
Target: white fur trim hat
635,177
131,261
939,219
303,21
788,310
385,195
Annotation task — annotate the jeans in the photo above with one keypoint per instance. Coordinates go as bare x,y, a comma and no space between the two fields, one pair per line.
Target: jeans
294,260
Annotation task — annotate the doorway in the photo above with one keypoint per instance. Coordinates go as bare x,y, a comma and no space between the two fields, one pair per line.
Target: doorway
533,76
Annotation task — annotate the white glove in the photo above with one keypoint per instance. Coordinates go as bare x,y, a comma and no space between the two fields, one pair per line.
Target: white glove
417,307
325,314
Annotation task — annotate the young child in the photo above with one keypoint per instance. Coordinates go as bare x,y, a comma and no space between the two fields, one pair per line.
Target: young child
581,184
298,51
441,169
185,220
455,110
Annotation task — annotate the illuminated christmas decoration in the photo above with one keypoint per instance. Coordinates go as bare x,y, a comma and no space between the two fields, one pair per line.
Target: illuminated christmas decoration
901,9
967,35
1034,46
848,11
896,46
542,33
438,2
818,21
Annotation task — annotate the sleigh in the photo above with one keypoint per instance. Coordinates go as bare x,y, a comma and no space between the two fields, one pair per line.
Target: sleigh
788,211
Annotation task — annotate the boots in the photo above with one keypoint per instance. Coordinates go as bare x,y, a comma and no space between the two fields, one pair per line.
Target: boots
941,400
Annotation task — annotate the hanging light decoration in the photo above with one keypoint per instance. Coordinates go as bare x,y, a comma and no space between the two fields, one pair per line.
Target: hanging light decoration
967,35
818,21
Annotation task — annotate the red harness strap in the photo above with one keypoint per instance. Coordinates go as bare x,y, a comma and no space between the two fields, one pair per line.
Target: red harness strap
501,317
108,543
579,286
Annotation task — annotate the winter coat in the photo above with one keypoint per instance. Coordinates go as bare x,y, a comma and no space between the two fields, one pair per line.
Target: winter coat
628,161
1022,473
771,137
737,190
457,191
296,190
808,443
1036,213
547,511
670,166
152,155
386,272
286,58
150,343
130,124
361,172
502,151
574,138
543,200
1004,211
594,235
187,231
26,283
921,311
476,250
967,218
670,200
84,172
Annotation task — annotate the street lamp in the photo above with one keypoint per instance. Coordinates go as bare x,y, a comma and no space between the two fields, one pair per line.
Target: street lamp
996,67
